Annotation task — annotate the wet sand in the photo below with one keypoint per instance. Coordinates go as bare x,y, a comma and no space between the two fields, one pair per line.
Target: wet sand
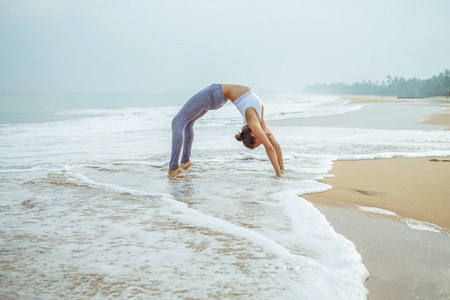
416,188
384,113
376,99
403,263
392,99
440,117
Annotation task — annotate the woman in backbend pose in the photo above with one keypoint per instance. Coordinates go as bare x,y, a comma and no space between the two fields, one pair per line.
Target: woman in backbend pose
253,134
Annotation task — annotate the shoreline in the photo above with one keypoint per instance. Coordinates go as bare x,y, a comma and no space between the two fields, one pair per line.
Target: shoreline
415,188
403,262
396,211
387,207
391,99
403,115
439,118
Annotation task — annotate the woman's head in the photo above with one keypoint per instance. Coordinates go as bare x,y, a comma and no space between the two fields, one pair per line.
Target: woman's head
247,137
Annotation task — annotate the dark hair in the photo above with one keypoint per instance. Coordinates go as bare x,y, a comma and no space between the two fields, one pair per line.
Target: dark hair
245,136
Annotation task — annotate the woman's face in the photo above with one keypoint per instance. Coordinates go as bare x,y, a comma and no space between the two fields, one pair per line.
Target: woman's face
257,142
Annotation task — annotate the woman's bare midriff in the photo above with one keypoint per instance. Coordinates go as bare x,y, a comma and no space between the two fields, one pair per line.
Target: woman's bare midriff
234,91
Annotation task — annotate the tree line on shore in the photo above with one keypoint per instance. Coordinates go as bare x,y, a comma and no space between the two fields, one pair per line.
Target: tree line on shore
397,86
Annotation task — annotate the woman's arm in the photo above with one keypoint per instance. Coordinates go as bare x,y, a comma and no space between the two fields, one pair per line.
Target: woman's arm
277,147
274,143
270,149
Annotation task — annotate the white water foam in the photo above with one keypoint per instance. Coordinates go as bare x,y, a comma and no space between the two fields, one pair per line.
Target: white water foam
310,231
308,260
420,225
377,210
411,223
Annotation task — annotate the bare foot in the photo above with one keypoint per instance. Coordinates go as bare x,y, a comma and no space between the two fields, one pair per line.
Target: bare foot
174,173
186,165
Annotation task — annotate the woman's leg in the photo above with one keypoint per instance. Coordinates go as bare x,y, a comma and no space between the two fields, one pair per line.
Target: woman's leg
177,141
189,138
195,108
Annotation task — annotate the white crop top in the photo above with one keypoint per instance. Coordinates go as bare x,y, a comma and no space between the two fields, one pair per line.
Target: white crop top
249,99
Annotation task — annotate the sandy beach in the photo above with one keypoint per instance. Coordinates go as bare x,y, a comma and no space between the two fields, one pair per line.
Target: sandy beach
383,99
440,118
375,99
404,263
384,113
416,188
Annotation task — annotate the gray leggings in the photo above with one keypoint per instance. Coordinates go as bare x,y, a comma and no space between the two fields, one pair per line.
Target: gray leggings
210,98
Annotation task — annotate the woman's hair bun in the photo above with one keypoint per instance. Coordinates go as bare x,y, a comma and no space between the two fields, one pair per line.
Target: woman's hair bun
246,136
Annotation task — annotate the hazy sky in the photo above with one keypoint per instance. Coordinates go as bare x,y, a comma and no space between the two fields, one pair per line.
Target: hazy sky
161,45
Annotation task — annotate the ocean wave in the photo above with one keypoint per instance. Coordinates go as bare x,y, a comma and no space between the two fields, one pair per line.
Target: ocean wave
338,258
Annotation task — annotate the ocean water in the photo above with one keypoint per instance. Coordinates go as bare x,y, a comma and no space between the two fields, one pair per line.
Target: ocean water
87,211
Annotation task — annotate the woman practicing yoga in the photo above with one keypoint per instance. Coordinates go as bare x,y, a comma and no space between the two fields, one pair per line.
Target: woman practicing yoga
253,134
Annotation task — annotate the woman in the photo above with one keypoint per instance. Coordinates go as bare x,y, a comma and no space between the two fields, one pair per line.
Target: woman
253,134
